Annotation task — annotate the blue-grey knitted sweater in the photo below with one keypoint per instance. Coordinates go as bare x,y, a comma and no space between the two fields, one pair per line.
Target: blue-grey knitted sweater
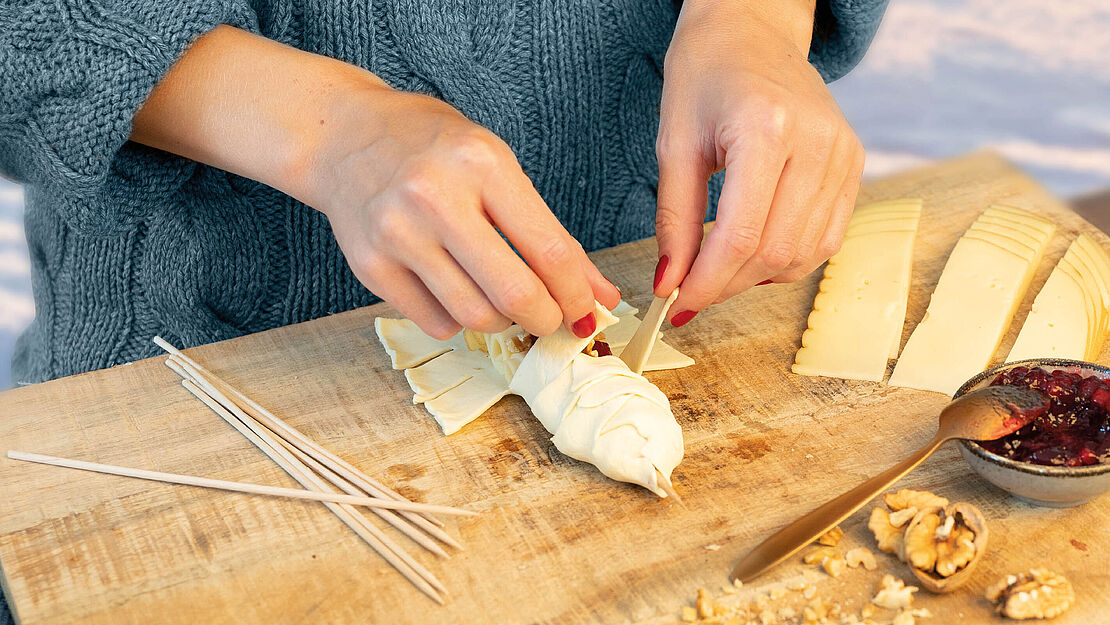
127,242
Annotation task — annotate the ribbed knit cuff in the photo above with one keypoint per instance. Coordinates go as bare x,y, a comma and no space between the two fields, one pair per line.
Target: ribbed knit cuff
842,31
75,73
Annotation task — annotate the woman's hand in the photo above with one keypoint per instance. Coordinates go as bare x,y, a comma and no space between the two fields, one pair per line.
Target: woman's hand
417,195
739,94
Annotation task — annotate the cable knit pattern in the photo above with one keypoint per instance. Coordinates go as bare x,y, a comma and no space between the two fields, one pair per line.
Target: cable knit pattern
127,242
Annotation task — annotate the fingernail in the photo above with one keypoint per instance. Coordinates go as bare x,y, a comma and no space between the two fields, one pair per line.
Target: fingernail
584,327
660,269
682,318
765,282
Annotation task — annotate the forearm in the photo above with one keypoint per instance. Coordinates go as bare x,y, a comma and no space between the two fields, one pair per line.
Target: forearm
250,106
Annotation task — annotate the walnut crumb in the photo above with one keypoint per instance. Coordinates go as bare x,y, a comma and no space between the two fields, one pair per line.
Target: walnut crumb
888,537
832,537
834,566
893,594
818,555
861,556
901,517
705,604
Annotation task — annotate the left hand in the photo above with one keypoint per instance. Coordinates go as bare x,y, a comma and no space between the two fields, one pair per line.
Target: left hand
740,94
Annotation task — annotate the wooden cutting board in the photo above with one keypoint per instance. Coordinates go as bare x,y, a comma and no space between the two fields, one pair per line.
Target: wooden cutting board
556,542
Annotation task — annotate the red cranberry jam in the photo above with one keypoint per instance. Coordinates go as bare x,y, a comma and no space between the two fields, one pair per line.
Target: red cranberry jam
1075,430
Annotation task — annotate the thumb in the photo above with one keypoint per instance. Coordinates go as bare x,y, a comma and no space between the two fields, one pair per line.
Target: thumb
683,178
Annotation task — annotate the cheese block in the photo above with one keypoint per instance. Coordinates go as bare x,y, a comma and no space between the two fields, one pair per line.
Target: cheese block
980,289
860,307
1086,275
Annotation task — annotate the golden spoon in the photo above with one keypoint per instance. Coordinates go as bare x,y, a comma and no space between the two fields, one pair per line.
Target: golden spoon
983,415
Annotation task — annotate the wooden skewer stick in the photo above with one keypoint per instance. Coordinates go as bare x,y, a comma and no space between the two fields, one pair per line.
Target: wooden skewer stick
187,371
393,554
344,468
668,488
238,487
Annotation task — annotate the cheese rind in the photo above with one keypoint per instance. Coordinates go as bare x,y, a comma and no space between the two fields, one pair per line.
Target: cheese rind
980,289
856,322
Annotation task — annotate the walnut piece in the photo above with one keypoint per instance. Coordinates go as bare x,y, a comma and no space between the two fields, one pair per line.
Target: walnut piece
861,556
834,566
832,537
893,594
901,517
818,555
888,536
941,545
920,543
1036,593
704,603
919,499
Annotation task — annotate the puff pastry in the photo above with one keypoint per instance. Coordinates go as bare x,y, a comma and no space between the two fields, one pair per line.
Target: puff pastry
596,409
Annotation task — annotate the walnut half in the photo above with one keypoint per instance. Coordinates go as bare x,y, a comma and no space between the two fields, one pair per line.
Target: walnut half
1036,593
942,545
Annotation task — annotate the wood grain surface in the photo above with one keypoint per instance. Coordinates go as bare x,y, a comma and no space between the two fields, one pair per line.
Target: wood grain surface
557,542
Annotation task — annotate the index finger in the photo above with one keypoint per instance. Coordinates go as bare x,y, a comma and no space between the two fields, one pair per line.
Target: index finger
751,176
517,209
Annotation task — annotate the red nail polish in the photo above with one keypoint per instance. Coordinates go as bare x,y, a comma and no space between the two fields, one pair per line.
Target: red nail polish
682,318
660,269
584,327
765,282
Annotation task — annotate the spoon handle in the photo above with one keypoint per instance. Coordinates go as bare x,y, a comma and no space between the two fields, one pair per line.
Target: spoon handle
790,539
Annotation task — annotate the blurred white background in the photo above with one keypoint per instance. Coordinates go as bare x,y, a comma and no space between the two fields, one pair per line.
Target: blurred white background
1028,78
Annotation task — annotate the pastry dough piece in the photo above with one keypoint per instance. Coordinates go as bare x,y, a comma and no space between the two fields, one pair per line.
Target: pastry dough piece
467,401
664,357
439,375
408,346
599,411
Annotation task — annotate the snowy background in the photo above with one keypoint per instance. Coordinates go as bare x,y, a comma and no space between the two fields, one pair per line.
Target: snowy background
1028,78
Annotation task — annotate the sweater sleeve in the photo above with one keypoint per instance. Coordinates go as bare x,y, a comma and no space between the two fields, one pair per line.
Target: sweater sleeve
842,31
75,73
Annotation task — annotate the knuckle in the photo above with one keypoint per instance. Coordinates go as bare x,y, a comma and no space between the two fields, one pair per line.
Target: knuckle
519,296
741,244
478,149
828,248
418,185
668,219
770,122
778,256
441,329
555,252
481,317
389,223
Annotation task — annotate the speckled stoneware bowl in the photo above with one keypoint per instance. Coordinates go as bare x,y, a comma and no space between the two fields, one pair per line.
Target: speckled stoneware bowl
1038,484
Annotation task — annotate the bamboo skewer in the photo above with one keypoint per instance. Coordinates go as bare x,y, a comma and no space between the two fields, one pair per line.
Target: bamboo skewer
238,487
310,447
393,554
190,372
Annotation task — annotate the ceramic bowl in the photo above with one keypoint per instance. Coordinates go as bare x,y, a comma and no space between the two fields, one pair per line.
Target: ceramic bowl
1038,484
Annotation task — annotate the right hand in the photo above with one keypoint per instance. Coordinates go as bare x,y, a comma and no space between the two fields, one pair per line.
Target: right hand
417,194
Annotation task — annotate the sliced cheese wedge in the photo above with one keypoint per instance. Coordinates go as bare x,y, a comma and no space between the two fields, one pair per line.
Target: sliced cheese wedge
980,289
860,307
1059,324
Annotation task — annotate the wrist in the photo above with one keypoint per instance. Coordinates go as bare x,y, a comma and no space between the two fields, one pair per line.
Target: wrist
335,98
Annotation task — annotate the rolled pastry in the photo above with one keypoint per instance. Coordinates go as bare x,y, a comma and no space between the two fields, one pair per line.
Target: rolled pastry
596,409
599,411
